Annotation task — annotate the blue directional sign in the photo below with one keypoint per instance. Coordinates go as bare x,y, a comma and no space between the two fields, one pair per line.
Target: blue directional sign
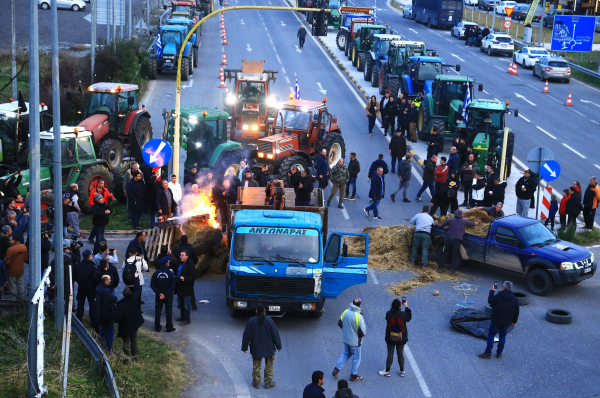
157,152
573,33
550,170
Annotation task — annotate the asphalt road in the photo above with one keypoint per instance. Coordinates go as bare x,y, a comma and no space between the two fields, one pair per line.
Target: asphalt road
442,362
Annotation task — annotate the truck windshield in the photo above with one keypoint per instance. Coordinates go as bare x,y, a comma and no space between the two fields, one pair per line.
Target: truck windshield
536,234
429,70
67,149
171,37
477,116
277,244
103,102
290,118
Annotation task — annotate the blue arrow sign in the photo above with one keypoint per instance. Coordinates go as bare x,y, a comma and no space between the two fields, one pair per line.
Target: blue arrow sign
157,152
550,170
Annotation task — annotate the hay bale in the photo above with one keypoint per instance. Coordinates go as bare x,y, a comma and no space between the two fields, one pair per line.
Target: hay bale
423,277
211,247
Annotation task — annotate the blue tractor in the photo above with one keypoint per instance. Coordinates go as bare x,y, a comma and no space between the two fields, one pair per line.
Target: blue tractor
189,24
422,71
165,59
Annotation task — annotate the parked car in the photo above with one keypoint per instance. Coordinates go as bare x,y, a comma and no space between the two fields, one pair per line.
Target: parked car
528,56
471,2
552,68
74,5
503,5
459,30
486,5
598,24
520,13
549,18
497,43
407,12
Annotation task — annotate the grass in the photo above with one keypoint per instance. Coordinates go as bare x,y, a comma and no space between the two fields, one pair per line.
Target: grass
118,219
159,372
585,238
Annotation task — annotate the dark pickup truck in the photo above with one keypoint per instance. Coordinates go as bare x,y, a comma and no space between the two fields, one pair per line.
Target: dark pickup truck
525,246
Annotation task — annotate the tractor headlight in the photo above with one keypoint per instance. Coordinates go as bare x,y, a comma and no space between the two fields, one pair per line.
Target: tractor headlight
245,127
198,144
254,127
566,266
304,109
230,99
271,101
592,256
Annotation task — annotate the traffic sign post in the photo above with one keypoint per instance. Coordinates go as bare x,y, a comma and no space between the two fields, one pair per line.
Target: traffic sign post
536,157
157,153
508,11
550,170
507,24
356,10
573,33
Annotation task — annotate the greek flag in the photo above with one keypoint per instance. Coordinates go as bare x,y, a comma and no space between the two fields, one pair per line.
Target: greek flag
297,88
158,45
466,104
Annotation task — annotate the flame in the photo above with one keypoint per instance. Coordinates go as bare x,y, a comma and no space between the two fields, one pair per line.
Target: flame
205,206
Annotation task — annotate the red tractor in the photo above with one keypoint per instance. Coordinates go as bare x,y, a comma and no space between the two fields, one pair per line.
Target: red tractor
117,122
300,130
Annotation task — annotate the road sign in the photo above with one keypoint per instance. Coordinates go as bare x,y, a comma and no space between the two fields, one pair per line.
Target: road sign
105,12
531,12
573,33
507,24
356,10
508,11
550,170
537,156
157,152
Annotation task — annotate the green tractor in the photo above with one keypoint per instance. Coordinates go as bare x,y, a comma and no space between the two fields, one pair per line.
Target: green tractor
204,135
350,25
335,18
203,8
396,65
363,43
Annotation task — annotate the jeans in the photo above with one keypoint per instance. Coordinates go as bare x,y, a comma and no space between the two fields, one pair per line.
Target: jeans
452,250
423,239
15,286
135,218
99,233
588,217
350,352
373,207
185,304
351,184
107,333
130,340
490,339
334,189
88,293
301,42
426,184
371,123
158,306
73,218
523,207
395,159
404,186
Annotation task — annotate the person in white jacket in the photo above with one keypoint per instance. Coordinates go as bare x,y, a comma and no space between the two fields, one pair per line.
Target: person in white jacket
176,189
104,252
140,265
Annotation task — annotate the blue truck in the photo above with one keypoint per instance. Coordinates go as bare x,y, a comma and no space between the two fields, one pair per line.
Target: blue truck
524,246
438,13
285,259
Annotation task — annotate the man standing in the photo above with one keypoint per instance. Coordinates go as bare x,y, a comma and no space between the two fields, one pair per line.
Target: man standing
498,192
263,337
478,192
314,389
441,174
105,302
139,244
294,179
454,236
301,36
485,32
184,288
126,178
376,193
405,174
248,181
443,200
396,334
423,222
354,329
453,161
224,196
73,216
590,203
391,110
130,318
176,189
305,187
428,177
339,178
165,201
434,143
190,176
505,312
353,170
84,276
468,170
385,100
136,198
377,164
323,169
524,188
163,285
574,206
100,218
397,149
153,186
413,118
242,170
403,109
193,256
14,260
489,185
100,190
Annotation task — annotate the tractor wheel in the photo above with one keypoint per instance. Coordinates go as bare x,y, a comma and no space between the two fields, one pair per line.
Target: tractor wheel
382,83
375,76
394,86
351,50
191,64
362,59
354,56
118,177
336,147
143,131
341,39
288,162
87,183
195,57
153,69
368,68
48,198
111,150
439,123
185,67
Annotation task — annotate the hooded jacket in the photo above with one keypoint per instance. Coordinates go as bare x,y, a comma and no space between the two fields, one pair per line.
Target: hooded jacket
345,393
352,335
505,308
498,193
441,173
404,170
263,339
456,226
478,189
396,332
377,164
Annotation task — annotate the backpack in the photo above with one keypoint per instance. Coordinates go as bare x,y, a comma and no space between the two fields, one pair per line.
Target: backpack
396,329
129,271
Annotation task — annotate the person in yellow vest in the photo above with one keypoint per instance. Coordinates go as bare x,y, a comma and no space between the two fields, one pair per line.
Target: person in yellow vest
354,329
417,101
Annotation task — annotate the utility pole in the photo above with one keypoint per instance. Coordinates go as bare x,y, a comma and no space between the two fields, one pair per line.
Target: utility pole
35,231
148,16
114,20
94,24
59,303
129,27
542,25
13,49
108,21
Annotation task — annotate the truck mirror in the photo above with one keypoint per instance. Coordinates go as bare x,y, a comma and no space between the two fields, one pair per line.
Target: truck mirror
458,68
516,113
165,7
130,101
480,87
344,250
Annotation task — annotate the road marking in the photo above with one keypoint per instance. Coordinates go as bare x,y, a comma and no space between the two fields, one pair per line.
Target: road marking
292,90
189,85
242,22
589,102
324,92
497,67
437,34
545,132
577,112
457,57
374,277
449,40
298,49
278,59
518,79
533,87
560,102
598,167
287,79
583,84
486,92
248,47
524,118
595,122
484,60
574,151
524,99
412,30
283,70
504,59
416,371
282,24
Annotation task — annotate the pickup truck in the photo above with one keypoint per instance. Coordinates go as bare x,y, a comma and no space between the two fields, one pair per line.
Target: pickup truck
523,245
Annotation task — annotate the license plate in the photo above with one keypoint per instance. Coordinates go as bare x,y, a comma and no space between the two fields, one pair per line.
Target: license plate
586,270
274,308
504,45
168,62
558,74
450,18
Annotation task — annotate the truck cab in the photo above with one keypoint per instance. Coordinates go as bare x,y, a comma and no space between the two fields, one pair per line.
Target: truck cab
285,259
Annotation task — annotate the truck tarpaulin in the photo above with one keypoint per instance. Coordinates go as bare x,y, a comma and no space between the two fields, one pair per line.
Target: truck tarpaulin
473,322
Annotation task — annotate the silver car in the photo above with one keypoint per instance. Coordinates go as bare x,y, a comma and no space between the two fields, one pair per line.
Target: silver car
406,13
74,5
552,68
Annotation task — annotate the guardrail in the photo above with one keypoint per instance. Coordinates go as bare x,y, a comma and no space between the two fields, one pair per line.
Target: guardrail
102,363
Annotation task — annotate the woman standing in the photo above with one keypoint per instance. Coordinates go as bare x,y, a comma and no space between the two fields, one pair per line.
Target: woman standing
372,109
396,334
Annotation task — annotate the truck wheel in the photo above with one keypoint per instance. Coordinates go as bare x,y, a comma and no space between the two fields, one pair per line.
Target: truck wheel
341,39
558,316
185,67
354,56
235,312
87,182
439,123
360,66
394,86
143,131
522,297
153,69
195,57
375,76
191,64
111,150
368,68
351,49
540,282
293,160
336,148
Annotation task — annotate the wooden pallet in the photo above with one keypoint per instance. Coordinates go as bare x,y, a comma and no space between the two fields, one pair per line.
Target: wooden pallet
156,237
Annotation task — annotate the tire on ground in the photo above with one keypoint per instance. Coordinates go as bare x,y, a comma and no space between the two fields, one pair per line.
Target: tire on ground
558,316
439,123
153,69
394,86
540,282
350,51
185,67
375,76
87,181
362,59
368,69
523,298
111,150
143,132
195,57
341,39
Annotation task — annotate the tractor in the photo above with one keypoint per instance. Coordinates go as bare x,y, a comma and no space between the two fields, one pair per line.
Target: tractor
396,65
363,43
376,57
350,29
301,129
184,9
189,24
171,38
204,135
250,104
335,18
116,122
204,7
421,73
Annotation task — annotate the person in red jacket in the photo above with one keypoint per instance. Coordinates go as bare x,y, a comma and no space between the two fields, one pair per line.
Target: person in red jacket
441,174
101,190
562,211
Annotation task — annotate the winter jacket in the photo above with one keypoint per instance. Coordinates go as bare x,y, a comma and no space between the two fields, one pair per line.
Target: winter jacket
530,186
108,197
163,281
140,265
140,248
105,304
489,180
136,195
177,193
404,170
478,189
383,103
15,259
313,391
377,109
491,211
505,308
498,193
192,252
128,177
4,245
453,162
3,274
128,314
84,274
345,393
390,109
301,33
352,331
112,272
398,146
574,206
234,182
456,227
377,190
413,115
339,175
303,194
466,173
252,183
591,197
563,206
377,164
436,140
553,209
99,216
223,200
262,339
429,171
353,168
322,166
185,287
441,173
452,178
162,202
396,332
295,180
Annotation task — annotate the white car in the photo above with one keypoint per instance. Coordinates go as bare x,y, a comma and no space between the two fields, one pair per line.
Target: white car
503,5
471,2
74,5
459,29
497,43
528,56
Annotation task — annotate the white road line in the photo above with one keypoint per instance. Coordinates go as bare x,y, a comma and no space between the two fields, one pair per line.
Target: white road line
487,62
598,167
518,79
560,102
587,85
595,122
545,132
504,59
577,112
437,34
278,59
374,277
486,92
524,118
574,151
417,371
457,57
292,90
449,40
287,79
497,67
412,30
